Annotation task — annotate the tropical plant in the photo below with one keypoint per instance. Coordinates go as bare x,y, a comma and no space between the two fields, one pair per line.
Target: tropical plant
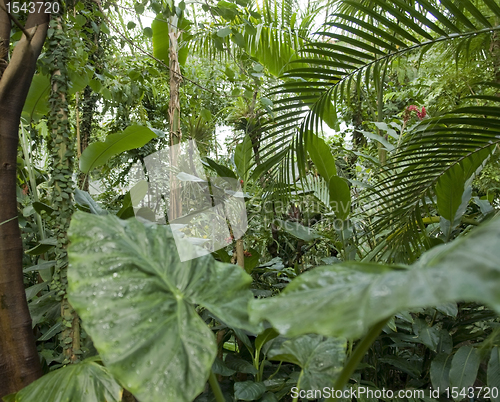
356,54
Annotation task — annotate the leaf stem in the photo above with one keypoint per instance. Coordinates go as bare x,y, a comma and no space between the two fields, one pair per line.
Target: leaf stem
357,355
214,384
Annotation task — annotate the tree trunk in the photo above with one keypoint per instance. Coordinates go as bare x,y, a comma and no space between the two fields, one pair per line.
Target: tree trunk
19,361
174,111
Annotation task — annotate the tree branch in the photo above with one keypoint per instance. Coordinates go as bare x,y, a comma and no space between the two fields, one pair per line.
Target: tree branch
17,23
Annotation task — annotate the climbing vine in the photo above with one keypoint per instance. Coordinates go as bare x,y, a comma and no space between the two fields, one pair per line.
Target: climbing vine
62,154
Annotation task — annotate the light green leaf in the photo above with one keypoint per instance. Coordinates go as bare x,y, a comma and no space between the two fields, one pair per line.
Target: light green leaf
266,336
127,275
80,20
493,373
85,199
464,366
387,145
348,298
223,32
440,371
340,197
86,381
243,157
98,153
321,359
37,101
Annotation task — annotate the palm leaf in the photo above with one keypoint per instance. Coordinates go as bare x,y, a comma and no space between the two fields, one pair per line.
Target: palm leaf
358,44
406,194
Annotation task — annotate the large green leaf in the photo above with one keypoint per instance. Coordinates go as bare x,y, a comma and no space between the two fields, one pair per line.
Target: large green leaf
493,374
99,153
243,157
87,381
161,42
37,101
138,303
321,359
340,197
429,336
322,157
463,370
347,298
440,371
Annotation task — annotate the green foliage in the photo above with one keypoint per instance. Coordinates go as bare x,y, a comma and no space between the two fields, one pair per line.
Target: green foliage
98,153
154,295
87,381
243,157
393,194
347,299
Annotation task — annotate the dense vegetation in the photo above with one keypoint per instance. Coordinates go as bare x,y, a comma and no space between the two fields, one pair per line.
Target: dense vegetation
360,135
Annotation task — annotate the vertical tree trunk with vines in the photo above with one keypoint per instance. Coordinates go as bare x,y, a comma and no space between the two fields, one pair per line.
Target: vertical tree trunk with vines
62,152
174,111
19,361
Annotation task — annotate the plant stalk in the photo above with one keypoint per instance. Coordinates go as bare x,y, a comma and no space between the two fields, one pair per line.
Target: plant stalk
357,355
214,384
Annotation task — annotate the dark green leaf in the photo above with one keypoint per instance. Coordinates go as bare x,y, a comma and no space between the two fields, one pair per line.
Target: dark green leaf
249,390
429,336
493,373
463,370
440,371
322,157
340,197
221,170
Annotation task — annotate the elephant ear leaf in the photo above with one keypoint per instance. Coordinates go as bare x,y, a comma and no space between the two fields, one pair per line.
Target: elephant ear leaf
87,378
346,299
139,304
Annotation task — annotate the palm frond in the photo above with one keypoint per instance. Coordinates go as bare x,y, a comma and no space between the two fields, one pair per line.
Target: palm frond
403,201
355,50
